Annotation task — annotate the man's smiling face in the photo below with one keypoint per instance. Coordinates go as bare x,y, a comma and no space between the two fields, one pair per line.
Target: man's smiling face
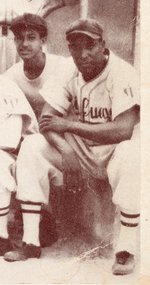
28,43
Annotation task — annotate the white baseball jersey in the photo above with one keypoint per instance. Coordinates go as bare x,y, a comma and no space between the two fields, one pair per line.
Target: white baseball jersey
100,100
57,66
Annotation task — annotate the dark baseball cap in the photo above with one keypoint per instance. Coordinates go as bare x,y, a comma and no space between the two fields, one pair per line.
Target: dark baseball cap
28,20
89,27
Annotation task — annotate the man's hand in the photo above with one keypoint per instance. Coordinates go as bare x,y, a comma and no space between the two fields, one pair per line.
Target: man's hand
53,126
53,123
72,175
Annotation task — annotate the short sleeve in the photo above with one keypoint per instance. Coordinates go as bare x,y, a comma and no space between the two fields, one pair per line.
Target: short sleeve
14,103
55,93
125,91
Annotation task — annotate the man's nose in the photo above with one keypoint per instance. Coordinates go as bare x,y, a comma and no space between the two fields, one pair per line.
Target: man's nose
25,42
84,53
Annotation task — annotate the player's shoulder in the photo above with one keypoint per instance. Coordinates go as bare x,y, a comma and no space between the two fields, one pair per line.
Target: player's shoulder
8,88
119,64
120,69
15,70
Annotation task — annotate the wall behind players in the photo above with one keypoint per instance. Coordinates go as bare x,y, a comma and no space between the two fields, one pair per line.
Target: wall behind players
116,16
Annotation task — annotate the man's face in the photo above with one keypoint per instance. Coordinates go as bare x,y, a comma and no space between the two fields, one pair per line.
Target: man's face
88,53
28,43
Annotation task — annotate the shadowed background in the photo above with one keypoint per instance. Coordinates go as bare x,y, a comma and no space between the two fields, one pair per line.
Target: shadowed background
118,18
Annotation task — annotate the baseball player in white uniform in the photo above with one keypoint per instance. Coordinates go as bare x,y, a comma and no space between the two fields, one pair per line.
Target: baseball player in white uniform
88,124
16,121
36,66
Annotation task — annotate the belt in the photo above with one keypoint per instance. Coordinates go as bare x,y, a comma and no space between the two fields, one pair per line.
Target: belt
4,30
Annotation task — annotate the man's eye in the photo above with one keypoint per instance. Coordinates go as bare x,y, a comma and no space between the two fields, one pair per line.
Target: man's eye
31,38
90,46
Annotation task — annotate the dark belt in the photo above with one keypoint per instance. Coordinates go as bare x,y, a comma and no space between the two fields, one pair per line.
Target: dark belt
5,29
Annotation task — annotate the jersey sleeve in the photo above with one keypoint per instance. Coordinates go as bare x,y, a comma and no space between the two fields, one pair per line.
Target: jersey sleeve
125,92
56,94
13,104
10,131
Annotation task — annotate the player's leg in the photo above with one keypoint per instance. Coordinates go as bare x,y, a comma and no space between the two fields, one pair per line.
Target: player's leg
37,163
124,177
7,184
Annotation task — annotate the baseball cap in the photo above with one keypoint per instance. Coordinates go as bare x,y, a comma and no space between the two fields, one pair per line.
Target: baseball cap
31,21
89,27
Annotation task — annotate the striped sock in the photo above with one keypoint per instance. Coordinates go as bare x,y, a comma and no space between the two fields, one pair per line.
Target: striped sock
3,221
31,219
129,220
4,210
128,232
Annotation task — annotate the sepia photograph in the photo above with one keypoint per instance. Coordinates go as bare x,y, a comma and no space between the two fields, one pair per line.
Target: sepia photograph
70,149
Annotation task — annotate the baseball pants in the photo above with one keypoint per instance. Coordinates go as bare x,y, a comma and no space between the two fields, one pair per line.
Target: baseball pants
39,163
7,185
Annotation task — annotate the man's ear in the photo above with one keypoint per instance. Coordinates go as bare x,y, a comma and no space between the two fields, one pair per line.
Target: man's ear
102,43
44,39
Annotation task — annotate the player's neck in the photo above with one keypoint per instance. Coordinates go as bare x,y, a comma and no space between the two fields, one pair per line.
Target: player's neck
34,67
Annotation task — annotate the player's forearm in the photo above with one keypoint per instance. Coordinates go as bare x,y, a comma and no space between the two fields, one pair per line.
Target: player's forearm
57,141
108,133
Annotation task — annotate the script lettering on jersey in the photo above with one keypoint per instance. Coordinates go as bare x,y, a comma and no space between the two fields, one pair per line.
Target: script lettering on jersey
88,111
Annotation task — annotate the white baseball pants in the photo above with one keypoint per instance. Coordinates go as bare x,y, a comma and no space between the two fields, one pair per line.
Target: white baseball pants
38,163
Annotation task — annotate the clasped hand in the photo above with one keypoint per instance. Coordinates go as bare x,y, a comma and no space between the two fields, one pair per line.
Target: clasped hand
72,174
52,123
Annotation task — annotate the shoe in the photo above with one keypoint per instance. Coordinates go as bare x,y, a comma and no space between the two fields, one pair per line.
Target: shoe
24,252
124,263
5,246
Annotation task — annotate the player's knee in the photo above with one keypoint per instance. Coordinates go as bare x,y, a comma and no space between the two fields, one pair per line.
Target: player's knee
5,161
33,143
122,147
128,151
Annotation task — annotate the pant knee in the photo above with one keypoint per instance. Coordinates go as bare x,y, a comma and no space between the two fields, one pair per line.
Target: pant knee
124,175
33,143
7,175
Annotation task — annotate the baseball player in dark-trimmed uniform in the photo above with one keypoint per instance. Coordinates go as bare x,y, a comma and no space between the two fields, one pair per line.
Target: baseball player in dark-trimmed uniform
90,123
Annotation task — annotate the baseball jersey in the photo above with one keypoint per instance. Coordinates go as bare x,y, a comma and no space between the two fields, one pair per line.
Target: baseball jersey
59,66
101,100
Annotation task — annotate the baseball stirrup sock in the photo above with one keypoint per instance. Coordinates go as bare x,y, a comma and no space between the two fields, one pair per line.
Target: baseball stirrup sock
129,220
31,219
128,233
3,221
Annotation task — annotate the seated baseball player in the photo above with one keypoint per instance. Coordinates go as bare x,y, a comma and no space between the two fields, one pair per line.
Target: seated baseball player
90,124
30,34
16,120
34,70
